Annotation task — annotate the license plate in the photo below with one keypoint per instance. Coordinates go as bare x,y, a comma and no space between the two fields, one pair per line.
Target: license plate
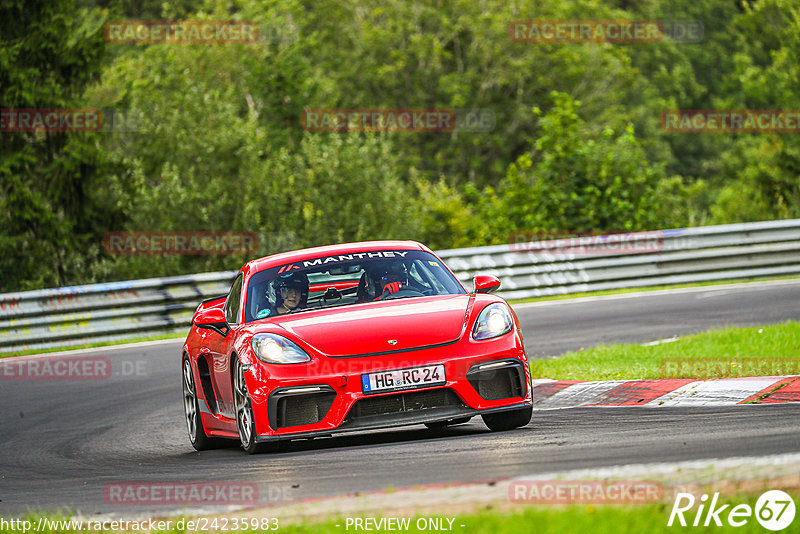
415,377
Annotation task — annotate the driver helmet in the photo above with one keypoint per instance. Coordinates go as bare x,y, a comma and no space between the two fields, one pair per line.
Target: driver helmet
390,272
297,281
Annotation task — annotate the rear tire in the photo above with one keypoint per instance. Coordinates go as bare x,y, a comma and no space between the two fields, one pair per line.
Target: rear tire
191,407
508,420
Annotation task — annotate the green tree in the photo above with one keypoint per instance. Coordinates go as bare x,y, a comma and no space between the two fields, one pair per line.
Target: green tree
577,180
49,51
764,169
217,147
458,55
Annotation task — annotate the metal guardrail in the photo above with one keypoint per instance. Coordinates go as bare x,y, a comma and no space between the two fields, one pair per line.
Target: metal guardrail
74,316
686,255
78,315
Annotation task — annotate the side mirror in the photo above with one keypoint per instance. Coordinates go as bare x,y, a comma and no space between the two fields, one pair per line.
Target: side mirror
485,283
212,319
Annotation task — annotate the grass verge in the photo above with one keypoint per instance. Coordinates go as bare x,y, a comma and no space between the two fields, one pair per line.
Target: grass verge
729,352
542,519
559,519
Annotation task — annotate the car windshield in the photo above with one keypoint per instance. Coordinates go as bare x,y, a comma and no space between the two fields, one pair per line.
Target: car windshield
345,279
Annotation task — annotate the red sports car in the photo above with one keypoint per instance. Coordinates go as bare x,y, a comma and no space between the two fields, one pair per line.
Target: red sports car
351,337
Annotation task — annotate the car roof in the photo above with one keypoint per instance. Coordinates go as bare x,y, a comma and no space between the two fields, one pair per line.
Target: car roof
274,260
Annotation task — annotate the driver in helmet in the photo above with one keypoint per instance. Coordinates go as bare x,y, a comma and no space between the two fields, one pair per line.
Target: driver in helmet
291,293
390,278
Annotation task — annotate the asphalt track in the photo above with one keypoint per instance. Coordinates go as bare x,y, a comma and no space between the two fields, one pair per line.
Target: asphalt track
62,442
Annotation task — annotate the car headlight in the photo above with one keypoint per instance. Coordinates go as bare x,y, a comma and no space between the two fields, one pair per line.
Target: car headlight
493,321
272,348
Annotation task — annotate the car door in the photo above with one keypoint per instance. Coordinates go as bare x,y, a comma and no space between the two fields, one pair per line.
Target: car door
223,347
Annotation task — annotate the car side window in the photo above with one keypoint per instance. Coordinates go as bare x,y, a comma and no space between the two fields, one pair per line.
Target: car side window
234,300
426,279
413,272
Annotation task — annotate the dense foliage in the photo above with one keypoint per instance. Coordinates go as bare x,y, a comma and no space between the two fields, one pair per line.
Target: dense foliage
214,142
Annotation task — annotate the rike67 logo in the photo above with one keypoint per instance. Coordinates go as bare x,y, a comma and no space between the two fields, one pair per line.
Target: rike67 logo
774,510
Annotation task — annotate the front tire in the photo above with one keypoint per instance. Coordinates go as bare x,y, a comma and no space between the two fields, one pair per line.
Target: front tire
508,420
245,422
191,407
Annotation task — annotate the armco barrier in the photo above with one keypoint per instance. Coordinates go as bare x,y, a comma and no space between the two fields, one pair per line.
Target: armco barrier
105,312
732,251
78,315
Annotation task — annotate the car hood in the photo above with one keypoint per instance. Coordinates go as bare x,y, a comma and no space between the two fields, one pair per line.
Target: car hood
362,329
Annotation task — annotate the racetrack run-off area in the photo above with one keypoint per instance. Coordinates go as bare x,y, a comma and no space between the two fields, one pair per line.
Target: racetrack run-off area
556,394
64,441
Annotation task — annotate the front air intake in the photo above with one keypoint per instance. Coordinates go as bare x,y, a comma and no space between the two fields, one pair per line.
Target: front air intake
498,380
416,401
299,406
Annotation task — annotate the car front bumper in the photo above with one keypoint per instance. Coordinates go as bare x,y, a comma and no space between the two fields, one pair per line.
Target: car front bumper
325,397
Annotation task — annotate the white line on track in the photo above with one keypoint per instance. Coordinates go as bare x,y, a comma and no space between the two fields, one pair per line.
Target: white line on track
138,345
700,289
775,465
